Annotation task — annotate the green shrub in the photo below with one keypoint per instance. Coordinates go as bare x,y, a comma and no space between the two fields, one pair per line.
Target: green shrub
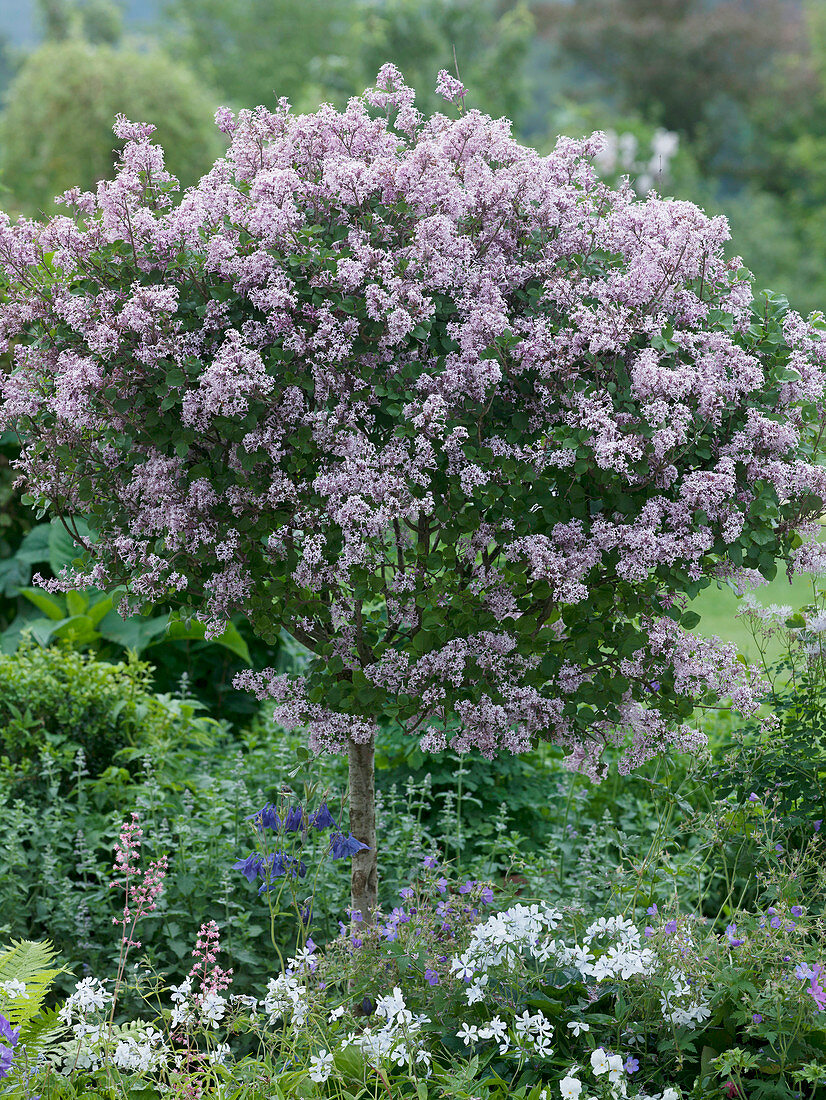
58,702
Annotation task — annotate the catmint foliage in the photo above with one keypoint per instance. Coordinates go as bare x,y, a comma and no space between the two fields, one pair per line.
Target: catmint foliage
469,424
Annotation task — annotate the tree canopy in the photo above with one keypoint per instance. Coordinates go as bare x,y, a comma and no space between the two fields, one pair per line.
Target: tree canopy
466,422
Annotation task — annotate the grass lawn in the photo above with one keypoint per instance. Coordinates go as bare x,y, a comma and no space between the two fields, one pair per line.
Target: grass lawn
718,608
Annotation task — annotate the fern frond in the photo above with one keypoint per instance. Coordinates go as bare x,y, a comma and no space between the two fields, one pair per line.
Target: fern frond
39,1034
28,962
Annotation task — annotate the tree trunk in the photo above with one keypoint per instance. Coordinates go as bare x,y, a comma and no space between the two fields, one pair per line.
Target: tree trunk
364,877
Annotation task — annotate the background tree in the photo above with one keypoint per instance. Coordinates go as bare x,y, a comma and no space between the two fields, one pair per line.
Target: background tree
256,52
263,49
56,129
469,425
671,59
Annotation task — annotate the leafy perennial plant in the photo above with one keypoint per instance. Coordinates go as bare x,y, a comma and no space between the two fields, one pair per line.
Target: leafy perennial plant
466,422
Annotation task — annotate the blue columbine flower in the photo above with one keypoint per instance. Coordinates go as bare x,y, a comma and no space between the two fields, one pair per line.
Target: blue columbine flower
6,1059
250,867
279,864
294,819
266,818
322,818
342,846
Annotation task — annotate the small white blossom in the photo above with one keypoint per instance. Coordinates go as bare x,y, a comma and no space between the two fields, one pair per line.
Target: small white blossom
13,989
321,1066
469,1033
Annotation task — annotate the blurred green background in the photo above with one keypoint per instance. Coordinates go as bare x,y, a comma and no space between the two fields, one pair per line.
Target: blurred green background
719,101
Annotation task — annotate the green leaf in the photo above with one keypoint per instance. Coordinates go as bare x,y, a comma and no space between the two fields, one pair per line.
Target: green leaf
230,639
35,546
76,603
44,602
63,550
13,575
690,620
99,609
135,632
79,628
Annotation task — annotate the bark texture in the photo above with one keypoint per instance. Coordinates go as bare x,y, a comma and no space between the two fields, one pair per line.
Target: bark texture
364,879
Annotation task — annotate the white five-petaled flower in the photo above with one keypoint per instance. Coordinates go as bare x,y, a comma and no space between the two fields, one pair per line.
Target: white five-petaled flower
578,1026
495,1029
392,1005
469,1033
321,1065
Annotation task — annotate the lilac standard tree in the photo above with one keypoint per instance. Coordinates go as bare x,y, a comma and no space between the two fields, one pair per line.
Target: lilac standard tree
469,425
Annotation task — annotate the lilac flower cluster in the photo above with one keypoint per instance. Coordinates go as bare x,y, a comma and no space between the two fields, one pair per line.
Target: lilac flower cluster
379,361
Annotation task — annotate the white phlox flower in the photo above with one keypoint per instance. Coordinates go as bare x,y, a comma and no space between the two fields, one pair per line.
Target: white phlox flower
286,994
13,989
90,995
321,1066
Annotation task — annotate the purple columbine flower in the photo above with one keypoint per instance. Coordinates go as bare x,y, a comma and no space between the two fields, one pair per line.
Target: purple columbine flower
250,867
431,976
322,818
294,819
342,846
266,818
